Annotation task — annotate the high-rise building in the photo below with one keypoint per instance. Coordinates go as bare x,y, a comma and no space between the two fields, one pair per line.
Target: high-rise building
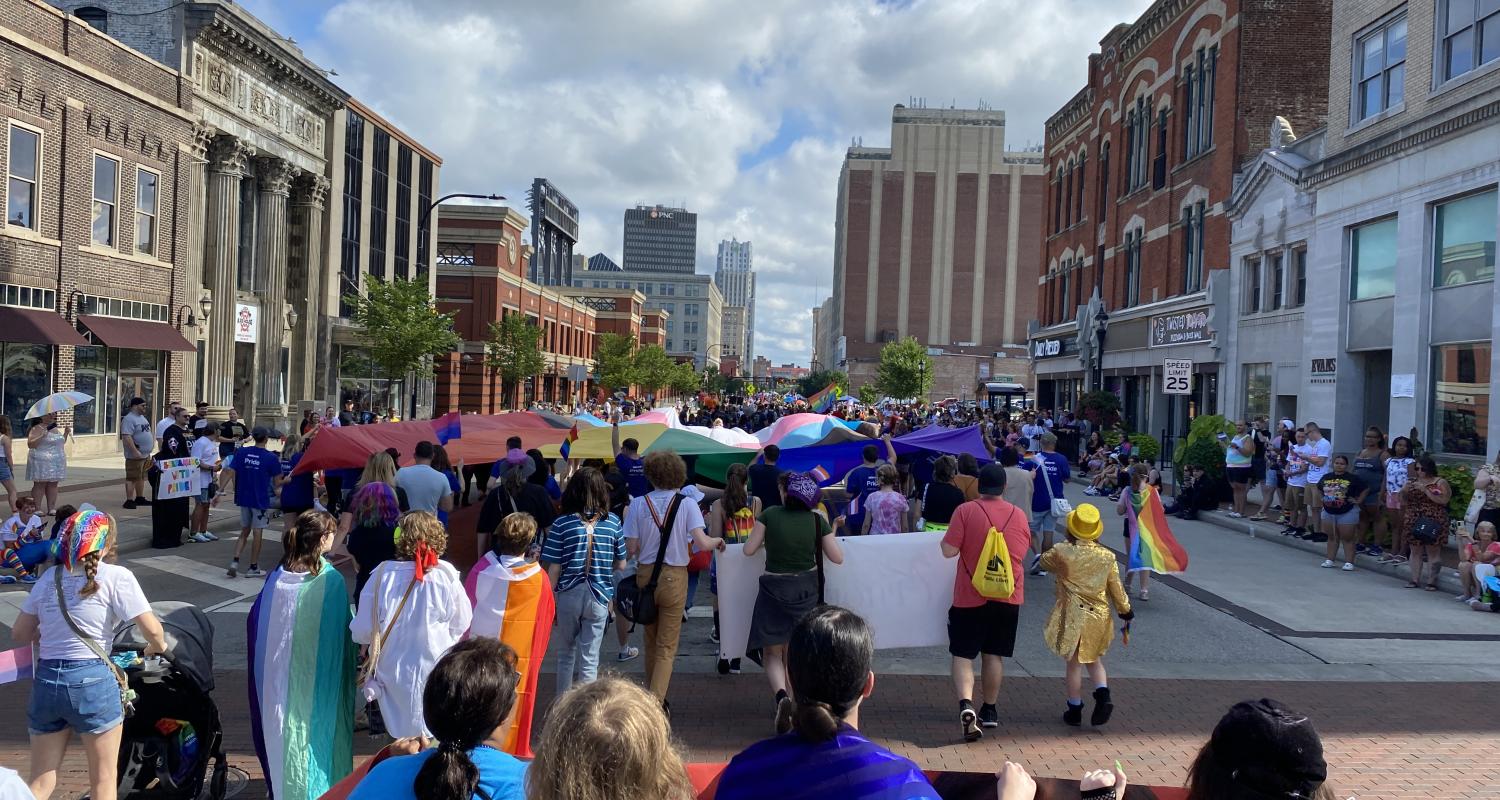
554,231
660,239
937,237
694,309
736,281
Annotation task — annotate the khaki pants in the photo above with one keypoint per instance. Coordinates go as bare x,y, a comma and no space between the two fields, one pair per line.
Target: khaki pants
661,638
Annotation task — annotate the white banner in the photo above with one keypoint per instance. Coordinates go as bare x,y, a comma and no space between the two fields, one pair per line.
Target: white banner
244,323
899,583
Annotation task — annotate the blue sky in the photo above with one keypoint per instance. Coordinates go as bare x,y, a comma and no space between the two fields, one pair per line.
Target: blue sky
742,111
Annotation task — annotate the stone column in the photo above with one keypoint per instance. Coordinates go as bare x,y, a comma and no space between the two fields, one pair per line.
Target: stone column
196,273
227,157
274,186
305,282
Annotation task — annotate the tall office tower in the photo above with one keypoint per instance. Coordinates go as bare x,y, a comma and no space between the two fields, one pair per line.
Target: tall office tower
736,281
660,239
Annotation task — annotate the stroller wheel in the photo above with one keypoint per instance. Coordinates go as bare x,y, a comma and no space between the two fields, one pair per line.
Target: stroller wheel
218,783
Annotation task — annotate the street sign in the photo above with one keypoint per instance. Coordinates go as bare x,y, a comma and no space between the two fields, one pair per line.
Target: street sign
1177,376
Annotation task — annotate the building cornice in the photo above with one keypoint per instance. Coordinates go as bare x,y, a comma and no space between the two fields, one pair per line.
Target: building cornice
1394,144
236,31
1149,25
1072,112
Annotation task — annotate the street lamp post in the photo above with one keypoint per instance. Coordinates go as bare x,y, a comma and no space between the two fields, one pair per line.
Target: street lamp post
1101,324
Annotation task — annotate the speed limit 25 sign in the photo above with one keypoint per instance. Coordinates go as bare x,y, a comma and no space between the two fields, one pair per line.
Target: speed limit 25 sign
1177,376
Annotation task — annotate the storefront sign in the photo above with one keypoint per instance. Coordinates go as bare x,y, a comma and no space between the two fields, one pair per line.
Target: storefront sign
1323,371
244,323
1046,348
1177,376
1186,327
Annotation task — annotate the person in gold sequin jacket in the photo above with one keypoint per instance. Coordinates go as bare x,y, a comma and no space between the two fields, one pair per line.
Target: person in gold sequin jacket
1079,629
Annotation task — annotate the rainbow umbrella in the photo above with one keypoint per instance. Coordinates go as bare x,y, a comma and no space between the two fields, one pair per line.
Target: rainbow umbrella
57,402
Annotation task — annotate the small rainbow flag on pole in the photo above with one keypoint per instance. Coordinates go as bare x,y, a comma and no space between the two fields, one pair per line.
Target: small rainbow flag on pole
567,444
819,474
1153,548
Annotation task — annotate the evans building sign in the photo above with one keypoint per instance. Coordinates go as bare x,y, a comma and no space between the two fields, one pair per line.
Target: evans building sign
1184,327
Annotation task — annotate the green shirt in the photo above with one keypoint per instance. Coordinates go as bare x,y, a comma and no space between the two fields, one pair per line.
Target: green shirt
790,538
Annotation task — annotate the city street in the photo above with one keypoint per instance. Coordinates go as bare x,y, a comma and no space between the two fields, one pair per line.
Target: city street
1388,675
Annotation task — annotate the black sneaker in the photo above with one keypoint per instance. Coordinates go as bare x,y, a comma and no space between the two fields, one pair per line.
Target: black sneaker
141,501
970,723
1318,537
130,504
1103,708
989,716
1074,715
723,666
734,666
784,709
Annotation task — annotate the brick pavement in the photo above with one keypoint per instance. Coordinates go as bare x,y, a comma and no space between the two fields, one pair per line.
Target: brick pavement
1410,740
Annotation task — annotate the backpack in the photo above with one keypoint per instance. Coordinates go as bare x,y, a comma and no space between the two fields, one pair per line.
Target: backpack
993,578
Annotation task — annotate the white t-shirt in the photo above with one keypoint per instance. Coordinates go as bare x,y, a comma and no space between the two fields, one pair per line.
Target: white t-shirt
162,425
206,453
15,528
1324,449
641,526
118,600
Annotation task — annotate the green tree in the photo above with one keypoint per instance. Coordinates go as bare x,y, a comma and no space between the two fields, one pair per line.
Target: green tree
614,361
653,368
714,382
403,327
683,379
514,350
818,381
869,394
905,369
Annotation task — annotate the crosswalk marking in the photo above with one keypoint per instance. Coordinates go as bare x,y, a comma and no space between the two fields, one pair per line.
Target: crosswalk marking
198,571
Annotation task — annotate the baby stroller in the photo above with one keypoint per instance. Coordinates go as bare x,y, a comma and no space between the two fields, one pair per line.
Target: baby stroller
175,734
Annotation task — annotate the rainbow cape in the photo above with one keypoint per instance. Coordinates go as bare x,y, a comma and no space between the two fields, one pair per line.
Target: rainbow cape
513,602
1153,548
302,682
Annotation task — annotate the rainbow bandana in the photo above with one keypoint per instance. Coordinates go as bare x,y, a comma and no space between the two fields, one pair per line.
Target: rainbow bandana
85,532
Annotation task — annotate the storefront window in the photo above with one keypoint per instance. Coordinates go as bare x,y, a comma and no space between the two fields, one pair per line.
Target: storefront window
113,376
1372,260
1463,240
1460,399
1257,390
26,379
362,382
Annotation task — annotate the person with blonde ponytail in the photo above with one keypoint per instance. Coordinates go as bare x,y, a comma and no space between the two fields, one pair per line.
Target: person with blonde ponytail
468,703
75,688
828,663
607,740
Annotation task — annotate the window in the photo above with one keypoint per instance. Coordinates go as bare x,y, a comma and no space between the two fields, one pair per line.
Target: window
1192,247
1257,390
424,201
1159,166
690,309
354,159
1251,304
1198,102
1276,273
1372,260
455,254
93,16
111,375
1299,279
106,196
1460,396
1057,201
1133,267
1471,35
1066,293
26,375
1138,134
380,182
669,345
403,212
94,305
1103,182
146,185
671,326
1082,161
1463,240
27,297
24,166
1380,68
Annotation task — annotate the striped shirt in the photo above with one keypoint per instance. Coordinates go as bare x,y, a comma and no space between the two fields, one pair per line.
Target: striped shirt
566,543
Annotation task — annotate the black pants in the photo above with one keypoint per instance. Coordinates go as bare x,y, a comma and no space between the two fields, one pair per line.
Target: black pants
168,519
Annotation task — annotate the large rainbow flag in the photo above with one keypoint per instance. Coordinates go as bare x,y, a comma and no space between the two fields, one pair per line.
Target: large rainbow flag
1153,548
513,602
824,400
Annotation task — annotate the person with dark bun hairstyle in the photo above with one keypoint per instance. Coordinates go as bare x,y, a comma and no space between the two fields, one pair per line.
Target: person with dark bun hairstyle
828,663
1261,750
468,703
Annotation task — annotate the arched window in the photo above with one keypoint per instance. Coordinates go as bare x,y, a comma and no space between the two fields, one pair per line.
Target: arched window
94,16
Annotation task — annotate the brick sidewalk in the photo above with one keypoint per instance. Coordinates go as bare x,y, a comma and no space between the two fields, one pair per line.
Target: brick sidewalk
1407,740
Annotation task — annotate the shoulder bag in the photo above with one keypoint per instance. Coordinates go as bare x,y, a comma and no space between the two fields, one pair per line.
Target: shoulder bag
367,679
1061,508
638,603
127,694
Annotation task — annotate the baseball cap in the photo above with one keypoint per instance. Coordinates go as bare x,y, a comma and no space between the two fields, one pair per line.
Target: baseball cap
260,432
1270,749
137,401
992,479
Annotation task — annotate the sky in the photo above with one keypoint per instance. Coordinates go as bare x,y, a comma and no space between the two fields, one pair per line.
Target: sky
741,112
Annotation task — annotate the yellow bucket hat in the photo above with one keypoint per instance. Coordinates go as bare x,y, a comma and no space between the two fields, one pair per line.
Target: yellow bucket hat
1084,522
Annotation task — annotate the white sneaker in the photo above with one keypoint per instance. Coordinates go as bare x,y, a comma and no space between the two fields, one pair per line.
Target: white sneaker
1327,564
1235,515
204,536
211,537
1348,567
254,572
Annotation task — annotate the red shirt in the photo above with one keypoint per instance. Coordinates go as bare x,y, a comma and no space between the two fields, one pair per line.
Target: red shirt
967,531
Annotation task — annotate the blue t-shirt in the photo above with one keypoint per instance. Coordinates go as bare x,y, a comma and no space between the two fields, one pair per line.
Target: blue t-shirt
1056,471
254,469
297,492
847,767
501,776
860,484
634,470
566,543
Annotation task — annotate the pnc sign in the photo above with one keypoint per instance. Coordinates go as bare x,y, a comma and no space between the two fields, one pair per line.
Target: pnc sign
661,214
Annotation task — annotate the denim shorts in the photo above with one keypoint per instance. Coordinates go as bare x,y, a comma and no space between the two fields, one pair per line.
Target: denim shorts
255,517
1043,521
81,694
1350,517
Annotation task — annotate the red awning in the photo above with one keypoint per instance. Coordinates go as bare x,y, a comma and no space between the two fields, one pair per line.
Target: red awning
37,326
135,334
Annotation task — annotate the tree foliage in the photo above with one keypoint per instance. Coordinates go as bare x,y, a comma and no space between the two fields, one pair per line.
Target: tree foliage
1100,407
614,361
683,379
905,369
869,394
514,349
403,326
653,367
818,381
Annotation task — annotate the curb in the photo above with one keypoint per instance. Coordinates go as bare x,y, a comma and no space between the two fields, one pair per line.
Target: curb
1268,532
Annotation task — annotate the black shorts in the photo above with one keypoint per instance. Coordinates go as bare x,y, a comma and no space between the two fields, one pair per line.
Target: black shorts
1238,475
988,629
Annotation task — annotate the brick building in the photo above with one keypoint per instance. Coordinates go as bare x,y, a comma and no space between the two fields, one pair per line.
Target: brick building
1140,164
936,237
481,276
94,248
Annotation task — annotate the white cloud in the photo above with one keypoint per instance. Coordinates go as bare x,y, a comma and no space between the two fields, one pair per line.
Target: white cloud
667,101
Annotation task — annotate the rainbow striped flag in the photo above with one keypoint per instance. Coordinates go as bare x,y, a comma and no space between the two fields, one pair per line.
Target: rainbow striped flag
15,665
567,444
824,400
1153,548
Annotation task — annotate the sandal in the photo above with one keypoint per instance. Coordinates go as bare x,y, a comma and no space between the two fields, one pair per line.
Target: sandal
1432,587
1410,585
